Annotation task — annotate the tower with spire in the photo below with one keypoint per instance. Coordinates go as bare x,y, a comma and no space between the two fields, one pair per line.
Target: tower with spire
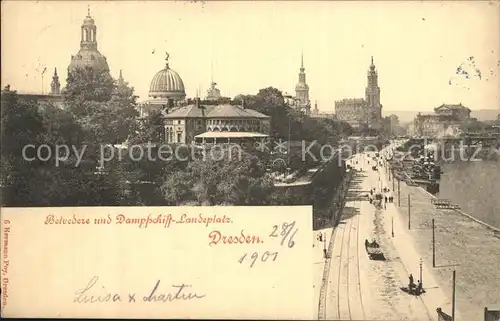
55,86
88,55
302,89
372,94
121,81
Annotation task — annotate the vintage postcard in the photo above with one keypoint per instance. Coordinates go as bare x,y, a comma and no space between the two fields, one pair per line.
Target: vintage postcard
157,262
333,160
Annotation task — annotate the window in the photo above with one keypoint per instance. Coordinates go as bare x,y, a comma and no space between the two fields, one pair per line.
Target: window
179,137
179,122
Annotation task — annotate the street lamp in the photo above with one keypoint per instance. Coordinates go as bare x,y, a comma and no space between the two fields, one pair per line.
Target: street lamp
421,282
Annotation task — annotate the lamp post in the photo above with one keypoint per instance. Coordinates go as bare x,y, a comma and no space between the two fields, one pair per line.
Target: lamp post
409,213
433,245
421,282
453,303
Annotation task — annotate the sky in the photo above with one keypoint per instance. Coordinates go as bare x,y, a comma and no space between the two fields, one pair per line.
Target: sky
417,47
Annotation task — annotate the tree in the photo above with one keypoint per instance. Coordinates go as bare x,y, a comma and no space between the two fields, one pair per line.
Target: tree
21,126
472,125
86,84
106,110
149,128
220,181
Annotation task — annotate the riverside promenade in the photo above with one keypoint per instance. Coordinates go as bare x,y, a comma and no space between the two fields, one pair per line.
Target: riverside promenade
462,244
356,287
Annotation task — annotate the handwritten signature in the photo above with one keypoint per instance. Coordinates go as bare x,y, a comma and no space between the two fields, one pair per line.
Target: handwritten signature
91,294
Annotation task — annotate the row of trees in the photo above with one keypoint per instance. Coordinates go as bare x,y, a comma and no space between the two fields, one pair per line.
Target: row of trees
99,110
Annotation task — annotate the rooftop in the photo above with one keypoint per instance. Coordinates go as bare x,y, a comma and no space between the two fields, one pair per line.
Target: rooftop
231,135
452,106
211,111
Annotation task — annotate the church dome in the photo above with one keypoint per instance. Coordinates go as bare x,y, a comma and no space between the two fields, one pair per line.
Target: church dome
88,55
88,58
167,84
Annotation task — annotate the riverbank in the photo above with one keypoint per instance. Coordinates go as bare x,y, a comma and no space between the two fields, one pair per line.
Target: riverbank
462,244
475,187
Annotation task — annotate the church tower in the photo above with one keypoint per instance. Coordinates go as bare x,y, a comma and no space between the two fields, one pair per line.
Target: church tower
55,86
302,89
88,55
372,94
121,81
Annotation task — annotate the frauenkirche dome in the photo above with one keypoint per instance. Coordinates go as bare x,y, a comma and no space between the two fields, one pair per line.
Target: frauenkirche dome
167,84
88,55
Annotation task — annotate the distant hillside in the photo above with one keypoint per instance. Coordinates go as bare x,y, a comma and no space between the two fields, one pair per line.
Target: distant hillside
485,114
406,116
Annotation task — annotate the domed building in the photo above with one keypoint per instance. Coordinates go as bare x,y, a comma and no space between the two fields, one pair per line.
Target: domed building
88,55
165,91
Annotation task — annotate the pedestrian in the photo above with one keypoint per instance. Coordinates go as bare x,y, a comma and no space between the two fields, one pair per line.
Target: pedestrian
385,199
324,253
320,237
411,280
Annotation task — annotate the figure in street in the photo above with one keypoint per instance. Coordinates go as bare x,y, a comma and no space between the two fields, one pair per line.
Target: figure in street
411,284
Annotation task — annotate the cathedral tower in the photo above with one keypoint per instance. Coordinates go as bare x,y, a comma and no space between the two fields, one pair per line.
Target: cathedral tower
372,94
55,86
302,89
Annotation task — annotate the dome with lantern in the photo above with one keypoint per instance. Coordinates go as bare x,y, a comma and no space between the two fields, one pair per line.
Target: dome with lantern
88,55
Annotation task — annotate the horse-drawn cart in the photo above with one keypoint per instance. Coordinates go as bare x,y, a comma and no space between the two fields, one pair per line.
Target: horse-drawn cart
373,250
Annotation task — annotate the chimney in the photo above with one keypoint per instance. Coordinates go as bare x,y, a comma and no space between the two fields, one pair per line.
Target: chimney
197,102
243,104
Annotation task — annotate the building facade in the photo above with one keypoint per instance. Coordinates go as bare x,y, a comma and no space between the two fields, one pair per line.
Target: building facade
459,111
352,111
220,123
445,121
359,112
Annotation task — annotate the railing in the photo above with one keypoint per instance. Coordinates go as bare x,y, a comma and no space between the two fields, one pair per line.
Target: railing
444,204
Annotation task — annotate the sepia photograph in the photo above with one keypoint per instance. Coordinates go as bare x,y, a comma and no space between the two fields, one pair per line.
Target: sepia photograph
369,128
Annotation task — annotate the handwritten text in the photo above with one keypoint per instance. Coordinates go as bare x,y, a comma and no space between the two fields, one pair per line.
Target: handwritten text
94,293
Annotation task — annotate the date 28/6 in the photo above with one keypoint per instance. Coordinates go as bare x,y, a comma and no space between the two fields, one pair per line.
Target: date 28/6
286,234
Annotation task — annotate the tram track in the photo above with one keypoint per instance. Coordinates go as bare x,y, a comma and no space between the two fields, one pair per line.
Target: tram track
357,264
339,295
348,294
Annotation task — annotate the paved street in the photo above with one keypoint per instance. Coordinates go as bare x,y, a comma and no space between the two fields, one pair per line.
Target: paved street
362,289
